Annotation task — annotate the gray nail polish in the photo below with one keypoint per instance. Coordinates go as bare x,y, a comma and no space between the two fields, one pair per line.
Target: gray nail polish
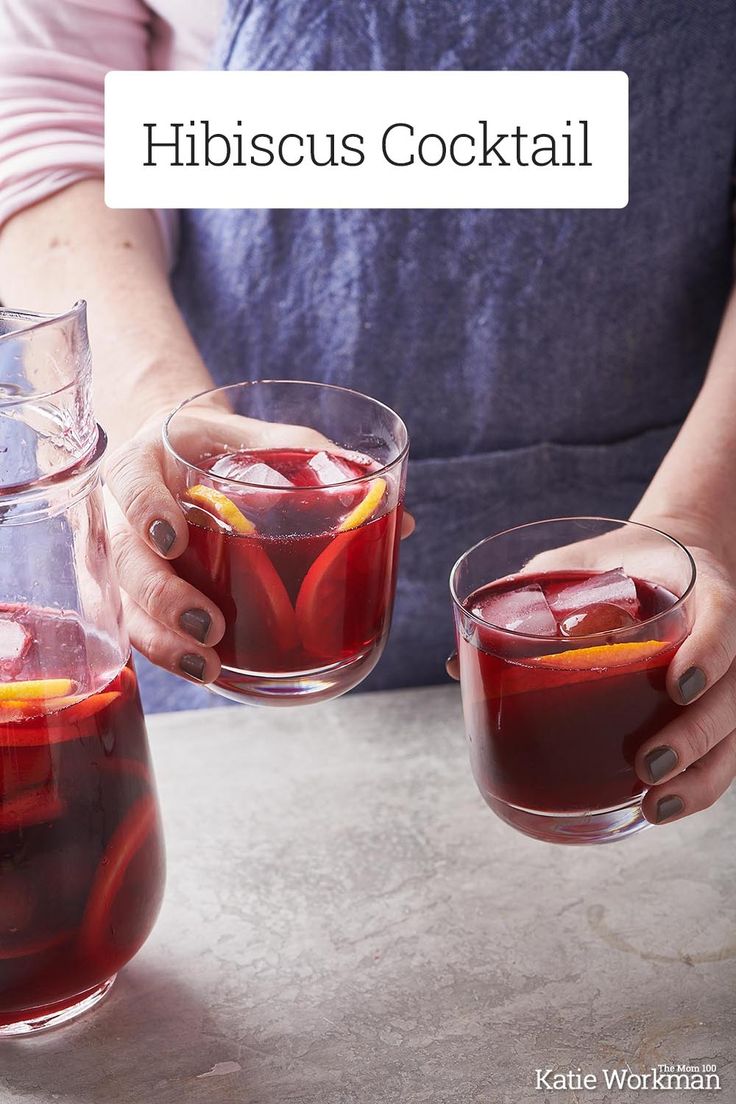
660,762
193,665
163,535
668,807
197,623
691,684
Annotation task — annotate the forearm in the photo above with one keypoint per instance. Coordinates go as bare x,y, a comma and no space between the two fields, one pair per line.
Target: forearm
71,246
696,481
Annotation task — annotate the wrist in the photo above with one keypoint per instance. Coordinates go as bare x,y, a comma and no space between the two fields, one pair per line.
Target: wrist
693,527
127,401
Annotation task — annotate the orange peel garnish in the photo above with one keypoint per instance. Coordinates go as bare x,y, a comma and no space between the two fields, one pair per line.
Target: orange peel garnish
366,507
35,690
222,507
602,656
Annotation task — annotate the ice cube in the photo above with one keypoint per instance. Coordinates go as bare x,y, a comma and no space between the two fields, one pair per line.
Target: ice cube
246,471
330,469
231,467
15,640
524,611
611,588
597,619
326,469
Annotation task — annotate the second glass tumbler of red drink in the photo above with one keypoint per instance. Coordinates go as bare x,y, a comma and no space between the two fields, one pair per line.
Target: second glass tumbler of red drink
565,630
293,494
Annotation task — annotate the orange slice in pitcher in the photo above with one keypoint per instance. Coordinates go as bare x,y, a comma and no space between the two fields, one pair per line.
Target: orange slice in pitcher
222,507
33,698
35,947
79,708
28,768
30,807
34,690
366,508
52,720
135,831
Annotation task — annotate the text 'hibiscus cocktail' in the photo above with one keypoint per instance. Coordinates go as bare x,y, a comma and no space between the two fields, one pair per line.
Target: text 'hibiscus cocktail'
565,631
293,495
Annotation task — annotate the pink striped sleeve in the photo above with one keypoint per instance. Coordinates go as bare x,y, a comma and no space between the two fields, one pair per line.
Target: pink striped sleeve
53,58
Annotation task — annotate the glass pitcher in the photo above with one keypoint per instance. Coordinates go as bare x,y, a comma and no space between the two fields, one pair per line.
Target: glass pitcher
81,852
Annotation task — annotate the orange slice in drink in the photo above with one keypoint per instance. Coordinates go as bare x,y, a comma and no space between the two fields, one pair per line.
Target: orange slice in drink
329,615
602,656
344,595
366,508
265,616
264,609
564,669
222,507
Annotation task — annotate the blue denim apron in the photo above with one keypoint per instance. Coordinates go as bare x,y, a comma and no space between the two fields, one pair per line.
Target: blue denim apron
543,360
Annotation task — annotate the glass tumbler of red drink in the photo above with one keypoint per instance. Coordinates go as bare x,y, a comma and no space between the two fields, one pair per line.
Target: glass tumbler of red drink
565,630
81,852
293,494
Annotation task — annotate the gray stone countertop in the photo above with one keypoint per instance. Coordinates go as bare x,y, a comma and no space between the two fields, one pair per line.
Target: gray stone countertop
347,923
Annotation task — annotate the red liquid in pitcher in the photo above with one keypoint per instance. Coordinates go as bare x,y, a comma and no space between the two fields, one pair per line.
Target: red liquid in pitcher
81,855
554,728
304,573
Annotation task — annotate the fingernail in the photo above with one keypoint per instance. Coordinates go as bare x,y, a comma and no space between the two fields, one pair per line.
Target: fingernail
668,807
660,762
691,684
163,535
193,665
197,623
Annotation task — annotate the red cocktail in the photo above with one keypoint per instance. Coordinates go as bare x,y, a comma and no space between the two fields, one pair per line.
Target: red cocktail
298,547
81,854
563,677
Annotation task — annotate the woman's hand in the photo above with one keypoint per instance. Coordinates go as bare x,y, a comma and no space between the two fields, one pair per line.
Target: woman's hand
692,762
168,620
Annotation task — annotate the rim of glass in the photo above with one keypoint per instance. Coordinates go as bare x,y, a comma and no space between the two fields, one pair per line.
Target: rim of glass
588,636
385,468
42,321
